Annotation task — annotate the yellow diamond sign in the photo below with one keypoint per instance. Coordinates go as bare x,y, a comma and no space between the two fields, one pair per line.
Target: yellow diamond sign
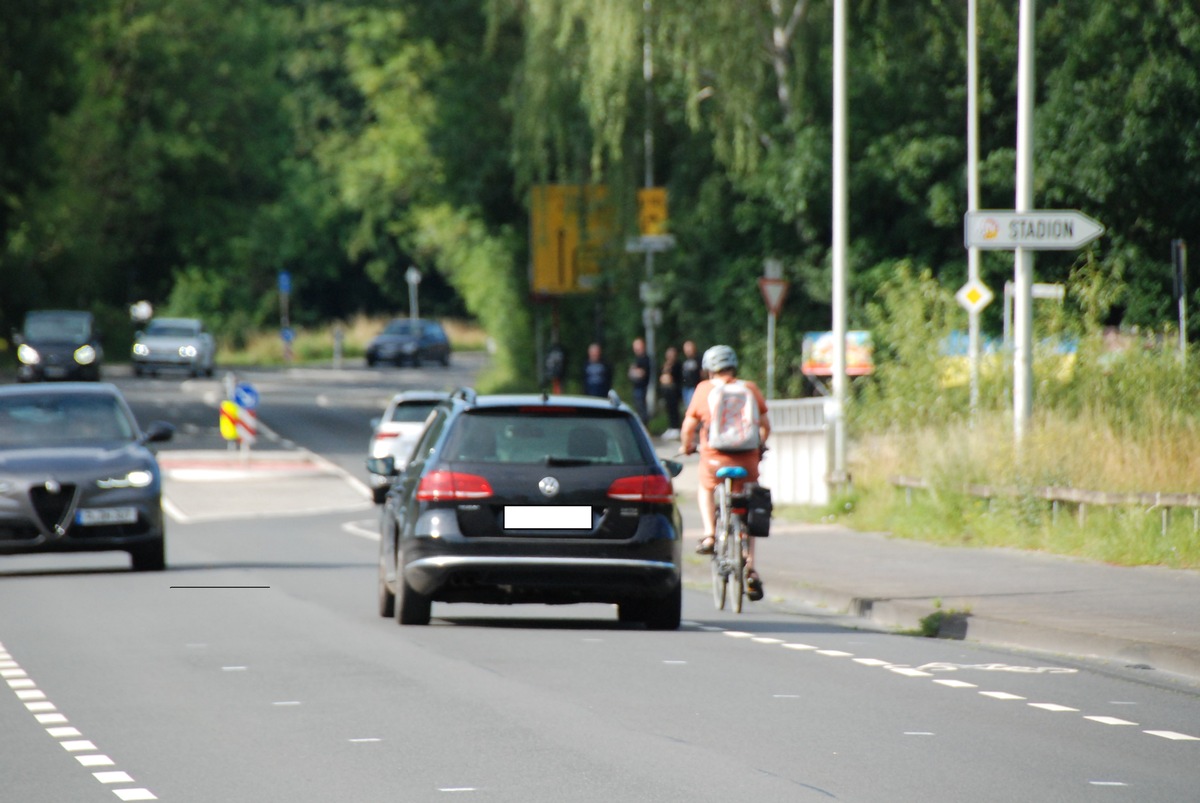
974,296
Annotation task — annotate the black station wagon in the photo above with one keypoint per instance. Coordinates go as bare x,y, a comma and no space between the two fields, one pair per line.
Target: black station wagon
532,499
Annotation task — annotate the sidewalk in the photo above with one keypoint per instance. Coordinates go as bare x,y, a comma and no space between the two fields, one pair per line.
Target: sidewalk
1145,618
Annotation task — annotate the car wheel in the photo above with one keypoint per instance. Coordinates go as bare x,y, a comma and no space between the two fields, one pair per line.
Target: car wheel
416,361
137,370
151,557
665,613
445,360
411,608
370,361
387,600
208,371
379,494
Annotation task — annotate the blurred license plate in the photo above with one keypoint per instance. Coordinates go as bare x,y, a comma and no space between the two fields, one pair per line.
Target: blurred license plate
547,517
54,372
106,515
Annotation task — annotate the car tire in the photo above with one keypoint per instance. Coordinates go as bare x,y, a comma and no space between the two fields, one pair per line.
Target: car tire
137,370
411,608
379,494
150,557
665,613
445,360
387,600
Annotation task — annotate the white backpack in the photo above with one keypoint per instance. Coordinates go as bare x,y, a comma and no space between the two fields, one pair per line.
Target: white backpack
734,423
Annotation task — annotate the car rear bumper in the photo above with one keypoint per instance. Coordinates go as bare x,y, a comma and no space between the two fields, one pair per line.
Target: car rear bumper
479,578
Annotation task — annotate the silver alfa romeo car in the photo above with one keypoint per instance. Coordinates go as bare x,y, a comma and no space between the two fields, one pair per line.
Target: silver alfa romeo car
76,474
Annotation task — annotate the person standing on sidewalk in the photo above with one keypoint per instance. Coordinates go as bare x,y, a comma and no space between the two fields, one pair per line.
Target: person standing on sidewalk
639,377
670,388
690,371
597,373
722,387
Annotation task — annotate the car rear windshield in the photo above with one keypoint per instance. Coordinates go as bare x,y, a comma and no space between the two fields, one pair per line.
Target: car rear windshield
540,436
412,412
62,419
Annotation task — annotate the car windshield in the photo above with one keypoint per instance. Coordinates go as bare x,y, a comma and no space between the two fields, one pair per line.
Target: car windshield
173,329
406,328
545,436
413,412
56,419
67,326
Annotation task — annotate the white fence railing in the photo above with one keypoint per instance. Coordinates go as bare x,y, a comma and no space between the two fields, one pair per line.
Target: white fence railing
795,466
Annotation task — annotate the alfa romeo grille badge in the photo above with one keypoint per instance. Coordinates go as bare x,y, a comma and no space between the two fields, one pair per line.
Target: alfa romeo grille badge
548,486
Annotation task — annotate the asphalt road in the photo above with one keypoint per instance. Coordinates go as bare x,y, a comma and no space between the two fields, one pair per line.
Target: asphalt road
256,668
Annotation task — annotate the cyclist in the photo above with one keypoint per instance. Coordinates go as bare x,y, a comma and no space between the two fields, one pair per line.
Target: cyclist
721,362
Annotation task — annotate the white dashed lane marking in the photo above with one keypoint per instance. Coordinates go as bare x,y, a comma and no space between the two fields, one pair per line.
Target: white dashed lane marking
35,701
913,672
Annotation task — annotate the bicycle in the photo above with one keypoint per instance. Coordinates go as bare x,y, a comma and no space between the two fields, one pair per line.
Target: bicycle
729,551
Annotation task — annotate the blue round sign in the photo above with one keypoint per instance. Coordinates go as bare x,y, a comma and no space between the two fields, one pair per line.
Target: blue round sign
285,282
245,396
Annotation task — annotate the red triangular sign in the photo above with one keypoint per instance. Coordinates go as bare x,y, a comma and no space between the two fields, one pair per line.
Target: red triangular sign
774,291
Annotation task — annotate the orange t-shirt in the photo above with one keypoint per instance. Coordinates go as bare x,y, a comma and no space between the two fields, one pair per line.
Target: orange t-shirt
711,459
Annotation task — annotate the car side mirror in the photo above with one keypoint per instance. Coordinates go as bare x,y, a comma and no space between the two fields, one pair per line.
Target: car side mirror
673,467
158,432
383,466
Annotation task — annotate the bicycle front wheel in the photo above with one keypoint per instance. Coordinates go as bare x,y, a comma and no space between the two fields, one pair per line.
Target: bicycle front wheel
738,564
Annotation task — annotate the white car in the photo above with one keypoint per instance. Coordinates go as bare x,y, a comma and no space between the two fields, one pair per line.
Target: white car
397,431
174,343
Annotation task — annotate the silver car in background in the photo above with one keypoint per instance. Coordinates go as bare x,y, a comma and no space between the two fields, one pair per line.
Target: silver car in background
174,343
397,431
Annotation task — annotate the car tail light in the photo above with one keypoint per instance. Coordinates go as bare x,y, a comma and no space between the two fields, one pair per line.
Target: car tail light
654,488
382,436
441,486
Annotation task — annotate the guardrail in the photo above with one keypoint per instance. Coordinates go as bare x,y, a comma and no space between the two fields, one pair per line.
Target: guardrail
795,466
1163,502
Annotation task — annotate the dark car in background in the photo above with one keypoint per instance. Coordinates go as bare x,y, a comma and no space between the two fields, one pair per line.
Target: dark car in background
411,341
76,474
181,343
531,499
58,345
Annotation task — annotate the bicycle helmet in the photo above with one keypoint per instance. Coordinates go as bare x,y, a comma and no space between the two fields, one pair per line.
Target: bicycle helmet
719,358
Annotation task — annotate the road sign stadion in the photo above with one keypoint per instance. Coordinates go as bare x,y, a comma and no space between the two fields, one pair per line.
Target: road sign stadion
1040,230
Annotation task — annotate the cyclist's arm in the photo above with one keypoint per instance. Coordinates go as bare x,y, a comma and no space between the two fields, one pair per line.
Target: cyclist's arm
692,420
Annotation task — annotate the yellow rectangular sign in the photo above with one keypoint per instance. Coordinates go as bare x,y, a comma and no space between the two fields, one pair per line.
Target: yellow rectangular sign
570,226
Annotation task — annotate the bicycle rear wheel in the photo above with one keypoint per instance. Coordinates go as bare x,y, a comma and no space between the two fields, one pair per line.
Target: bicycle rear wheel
738,564
719,563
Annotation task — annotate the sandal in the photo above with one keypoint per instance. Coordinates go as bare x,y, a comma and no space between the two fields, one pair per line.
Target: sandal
754,586
706,545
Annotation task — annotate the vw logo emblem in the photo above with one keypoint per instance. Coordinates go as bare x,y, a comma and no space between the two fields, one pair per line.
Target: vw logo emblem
548,486
52,486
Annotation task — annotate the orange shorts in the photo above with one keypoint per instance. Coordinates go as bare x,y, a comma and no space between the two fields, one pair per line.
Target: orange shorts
711,460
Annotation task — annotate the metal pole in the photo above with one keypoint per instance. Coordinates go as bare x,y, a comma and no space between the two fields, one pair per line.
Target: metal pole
1023,259
649,309
973,192
839,241
770,355
1180,258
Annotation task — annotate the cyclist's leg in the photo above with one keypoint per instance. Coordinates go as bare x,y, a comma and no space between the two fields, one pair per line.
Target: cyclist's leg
708,514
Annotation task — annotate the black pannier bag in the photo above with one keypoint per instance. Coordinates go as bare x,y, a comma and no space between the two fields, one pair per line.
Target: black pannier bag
758,510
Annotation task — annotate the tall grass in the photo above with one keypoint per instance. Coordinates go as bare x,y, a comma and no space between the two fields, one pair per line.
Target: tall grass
1104,421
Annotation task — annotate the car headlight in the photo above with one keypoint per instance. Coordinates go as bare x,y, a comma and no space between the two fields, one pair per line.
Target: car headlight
141,350
5,487
188,351
28,354
138,478
85,355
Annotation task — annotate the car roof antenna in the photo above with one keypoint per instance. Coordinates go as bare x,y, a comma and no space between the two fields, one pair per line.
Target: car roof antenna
614,399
